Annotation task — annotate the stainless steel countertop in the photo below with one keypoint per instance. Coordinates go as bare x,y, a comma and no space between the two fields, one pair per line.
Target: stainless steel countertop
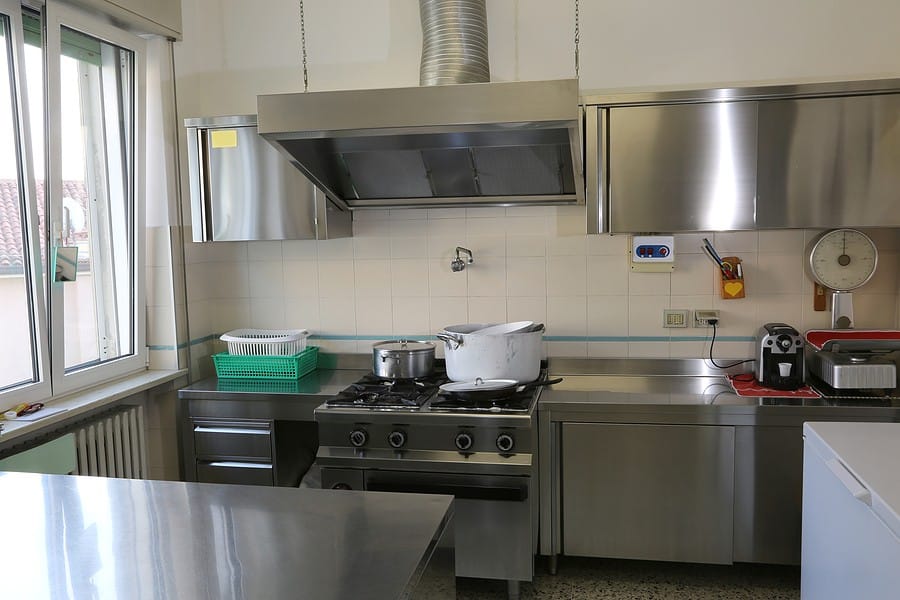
91,537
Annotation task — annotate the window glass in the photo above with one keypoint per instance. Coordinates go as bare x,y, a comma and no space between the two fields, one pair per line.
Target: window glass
18,349
96,83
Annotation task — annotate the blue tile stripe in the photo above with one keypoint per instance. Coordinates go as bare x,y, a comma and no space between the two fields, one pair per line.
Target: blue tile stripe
547,338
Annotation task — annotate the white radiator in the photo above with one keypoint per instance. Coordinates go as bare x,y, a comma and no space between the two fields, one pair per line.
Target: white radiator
114,446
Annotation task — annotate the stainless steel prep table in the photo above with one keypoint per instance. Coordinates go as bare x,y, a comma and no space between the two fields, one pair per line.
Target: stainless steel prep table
258,431
72,536
612,432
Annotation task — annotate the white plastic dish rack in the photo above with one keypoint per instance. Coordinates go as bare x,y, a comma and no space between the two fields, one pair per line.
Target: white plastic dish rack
265,342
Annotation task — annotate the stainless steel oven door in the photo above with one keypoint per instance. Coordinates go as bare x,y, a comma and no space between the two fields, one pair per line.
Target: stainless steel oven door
492,515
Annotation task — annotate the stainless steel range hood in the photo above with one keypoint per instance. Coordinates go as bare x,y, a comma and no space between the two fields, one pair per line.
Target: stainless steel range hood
474,144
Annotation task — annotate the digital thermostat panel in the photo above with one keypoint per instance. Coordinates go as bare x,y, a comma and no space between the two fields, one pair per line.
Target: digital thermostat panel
652,249
653,253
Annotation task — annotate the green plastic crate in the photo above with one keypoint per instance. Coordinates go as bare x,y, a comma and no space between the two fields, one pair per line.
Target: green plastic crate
236,366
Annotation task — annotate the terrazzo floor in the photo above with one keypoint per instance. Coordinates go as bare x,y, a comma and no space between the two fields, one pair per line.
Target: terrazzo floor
603,579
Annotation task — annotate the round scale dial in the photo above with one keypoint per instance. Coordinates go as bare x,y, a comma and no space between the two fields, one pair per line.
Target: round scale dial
843,259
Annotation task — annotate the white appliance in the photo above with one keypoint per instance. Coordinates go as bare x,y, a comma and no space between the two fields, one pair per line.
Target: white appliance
851,499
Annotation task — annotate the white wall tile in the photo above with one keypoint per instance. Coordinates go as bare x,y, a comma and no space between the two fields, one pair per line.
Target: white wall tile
648,350
442,281
607,315
687,349
411,316
567,246
159,286
527,309
485,212
406,228
409,277
371,248
787,241
607,349
487,277
446,227
300,249
264,250
735,242
783,308
444,247
694,274
409,247
874,311
339,249
267,313
266,279
227,280
609,245
372,278
526,276
380,229
567,315
885,278
544,226
649,284
887,240
374,316
301,278
776,274
336,278
739,316
408,214
487,245
446,311
566,276
531,211
160,325
689,243
645,316
487,310
607,275
226,315
567,349
302,313
375,214
526,245
337,315
446,213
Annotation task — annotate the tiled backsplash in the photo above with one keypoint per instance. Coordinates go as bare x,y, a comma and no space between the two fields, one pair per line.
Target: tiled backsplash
393,279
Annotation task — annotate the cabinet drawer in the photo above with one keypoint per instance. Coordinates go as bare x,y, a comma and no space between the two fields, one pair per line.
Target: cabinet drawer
233,439
247,473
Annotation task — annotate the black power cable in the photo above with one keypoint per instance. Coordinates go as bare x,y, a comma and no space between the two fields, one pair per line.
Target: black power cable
714,322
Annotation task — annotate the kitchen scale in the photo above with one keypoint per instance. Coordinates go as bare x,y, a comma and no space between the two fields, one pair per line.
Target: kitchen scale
842,260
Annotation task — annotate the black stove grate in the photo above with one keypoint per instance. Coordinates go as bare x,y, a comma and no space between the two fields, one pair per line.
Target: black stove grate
373,392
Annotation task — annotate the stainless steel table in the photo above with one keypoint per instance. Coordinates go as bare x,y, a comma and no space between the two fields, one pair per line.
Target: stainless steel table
91,537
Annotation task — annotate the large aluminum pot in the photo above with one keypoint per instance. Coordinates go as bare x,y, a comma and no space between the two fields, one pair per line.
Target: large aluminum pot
505,356
402,359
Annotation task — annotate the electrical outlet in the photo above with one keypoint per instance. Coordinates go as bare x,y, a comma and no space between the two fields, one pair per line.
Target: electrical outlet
702,317
676,317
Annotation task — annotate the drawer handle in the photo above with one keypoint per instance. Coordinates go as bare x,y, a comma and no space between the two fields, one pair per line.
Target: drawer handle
856,489
243,431
240,465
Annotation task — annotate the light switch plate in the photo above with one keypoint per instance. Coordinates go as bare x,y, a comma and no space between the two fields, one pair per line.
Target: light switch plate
676,317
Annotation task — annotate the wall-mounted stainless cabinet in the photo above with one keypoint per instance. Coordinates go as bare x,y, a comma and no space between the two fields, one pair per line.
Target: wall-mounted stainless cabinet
829,162
689,167
244,189
807,156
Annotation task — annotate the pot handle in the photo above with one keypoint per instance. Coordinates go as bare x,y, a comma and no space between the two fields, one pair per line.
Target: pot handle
453,342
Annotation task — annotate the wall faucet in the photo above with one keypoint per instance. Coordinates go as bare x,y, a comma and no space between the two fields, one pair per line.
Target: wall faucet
458,264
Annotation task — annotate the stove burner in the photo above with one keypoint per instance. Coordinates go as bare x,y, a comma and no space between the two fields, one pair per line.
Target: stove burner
515,402
373,392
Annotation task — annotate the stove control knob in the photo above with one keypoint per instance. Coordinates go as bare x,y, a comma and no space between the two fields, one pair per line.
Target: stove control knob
505,442
464,441
397,439
358,438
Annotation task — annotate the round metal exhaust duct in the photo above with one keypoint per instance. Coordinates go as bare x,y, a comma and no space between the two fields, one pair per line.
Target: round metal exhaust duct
454,42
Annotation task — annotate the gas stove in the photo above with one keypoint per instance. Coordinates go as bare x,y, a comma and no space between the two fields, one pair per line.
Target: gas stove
423,395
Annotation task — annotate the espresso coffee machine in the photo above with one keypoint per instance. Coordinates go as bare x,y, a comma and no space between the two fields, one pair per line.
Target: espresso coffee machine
779,360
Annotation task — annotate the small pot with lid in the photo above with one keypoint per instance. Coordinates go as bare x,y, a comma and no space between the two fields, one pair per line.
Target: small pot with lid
402,359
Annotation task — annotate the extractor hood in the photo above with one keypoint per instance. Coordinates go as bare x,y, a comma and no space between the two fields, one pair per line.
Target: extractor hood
473,144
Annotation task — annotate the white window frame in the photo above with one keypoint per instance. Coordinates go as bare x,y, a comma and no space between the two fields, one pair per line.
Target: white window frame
58,15
41,388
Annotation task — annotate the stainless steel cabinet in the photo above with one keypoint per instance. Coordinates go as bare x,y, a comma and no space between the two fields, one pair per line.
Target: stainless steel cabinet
829,162
652,492
233,451
689,167
244,189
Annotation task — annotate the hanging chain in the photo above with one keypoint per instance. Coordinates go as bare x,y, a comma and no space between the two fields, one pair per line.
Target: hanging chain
577,38
303,49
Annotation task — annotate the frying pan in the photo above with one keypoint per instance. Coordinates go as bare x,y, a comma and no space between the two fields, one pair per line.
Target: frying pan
490,389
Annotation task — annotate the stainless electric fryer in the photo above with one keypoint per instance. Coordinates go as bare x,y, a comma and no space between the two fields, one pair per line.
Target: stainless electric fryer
868,366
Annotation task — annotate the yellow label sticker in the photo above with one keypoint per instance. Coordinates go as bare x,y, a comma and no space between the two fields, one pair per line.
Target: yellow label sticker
224,138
